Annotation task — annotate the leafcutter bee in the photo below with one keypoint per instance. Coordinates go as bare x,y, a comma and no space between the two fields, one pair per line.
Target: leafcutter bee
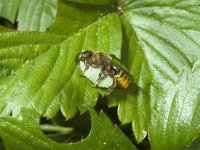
101,70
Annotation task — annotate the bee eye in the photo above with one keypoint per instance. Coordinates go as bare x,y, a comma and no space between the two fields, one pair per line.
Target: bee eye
86,54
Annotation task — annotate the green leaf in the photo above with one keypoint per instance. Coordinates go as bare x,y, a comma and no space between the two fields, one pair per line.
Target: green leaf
160,37
94,2
35,15
9,8
175,117
71,17
22,134
41,73
195,144
22,47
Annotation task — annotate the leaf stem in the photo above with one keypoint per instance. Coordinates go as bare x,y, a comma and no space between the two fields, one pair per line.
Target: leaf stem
55,128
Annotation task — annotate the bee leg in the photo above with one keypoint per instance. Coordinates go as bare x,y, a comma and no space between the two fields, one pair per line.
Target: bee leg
86,68
111,88
99,79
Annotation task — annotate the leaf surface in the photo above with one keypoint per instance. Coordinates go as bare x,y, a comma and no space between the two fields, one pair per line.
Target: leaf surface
72,16
96,2
175,117
42,74
9,9
160,37
18,134
35,15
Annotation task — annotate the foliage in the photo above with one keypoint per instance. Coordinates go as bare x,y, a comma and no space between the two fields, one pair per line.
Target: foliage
157,41
26,134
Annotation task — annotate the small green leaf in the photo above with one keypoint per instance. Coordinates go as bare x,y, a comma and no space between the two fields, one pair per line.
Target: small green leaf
9,8
36,15
175,117
21,134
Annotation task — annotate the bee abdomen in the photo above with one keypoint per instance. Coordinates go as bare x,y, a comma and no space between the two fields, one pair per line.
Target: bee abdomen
122,80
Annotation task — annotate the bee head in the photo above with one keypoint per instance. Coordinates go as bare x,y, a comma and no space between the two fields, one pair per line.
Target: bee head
86,54
83,56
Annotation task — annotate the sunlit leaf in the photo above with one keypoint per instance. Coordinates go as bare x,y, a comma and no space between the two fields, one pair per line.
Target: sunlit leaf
35,15
175,117
43,75
160,37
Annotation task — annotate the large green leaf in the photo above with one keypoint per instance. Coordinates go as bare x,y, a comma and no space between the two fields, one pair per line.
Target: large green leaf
160,37
175,117
41,74
25,134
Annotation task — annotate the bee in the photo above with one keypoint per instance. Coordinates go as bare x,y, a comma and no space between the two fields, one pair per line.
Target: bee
99,68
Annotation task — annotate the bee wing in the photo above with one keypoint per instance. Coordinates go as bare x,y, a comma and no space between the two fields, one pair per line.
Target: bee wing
108,60
104,56
108,57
